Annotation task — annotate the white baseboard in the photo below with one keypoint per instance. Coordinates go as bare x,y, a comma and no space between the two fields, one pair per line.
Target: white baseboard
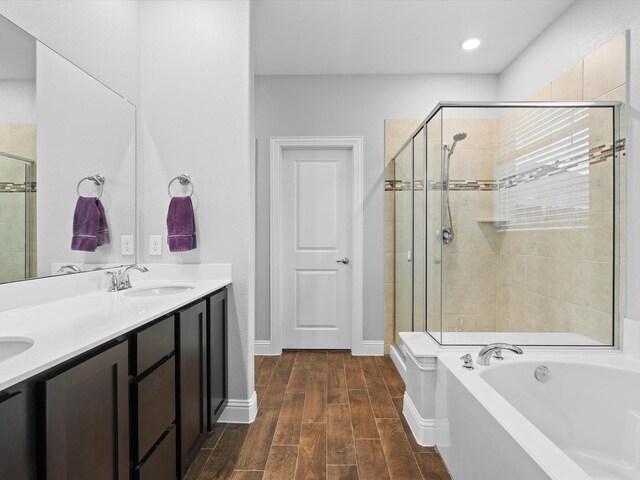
423,429
240,411
372,347
398,360
262,347
368,347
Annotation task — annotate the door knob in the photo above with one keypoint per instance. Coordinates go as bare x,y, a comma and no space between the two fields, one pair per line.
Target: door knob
344,260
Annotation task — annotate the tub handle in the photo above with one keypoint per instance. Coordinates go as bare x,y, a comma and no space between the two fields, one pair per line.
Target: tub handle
468,361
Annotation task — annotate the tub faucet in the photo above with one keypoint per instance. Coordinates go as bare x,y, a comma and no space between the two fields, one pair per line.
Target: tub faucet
484,357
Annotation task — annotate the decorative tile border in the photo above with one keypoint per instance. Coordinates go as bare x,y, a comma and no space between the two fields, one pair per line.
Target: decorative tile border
597,155
10,187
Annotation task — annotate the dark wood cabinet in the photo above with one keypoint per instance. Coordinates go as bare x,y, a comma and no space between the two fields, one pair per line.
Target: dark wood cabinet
87,419
151,344
153,401
217,356
18,433
155,405
191,384
161,464
134,408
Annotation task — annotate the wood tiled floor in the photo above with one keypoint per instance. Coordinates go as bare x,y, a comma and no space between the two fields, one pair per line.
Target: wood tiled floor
322,415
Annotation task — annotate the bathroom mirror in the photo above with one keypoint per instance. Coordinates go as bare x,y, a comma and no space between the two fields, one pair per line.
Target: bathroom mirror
63,134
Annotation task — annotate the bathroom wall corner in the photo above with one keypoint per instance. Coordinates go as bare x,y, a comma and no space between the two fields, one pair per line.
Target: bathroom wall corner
631,337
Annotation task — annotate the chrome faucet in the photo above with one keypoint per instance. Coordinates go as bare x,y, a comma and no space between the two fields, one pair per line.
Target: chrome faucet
69,269
120,280
123,279
495,349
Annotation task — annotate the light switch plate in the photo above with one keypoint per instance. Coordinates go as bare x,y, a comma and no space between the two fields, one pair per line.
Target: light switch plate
155,244
126,245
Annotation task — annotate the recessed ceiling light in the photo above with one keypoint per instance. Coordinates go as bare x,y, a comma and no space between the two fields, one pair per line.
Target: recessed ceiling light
471,44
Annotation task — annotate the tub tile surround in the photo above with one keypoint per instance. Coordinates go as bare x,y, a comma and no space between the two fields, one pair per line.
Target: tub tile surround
526,281
71,314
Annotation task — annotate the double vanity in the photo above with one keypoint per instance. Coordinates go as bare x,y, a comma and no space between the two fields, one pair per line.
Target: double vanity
121,384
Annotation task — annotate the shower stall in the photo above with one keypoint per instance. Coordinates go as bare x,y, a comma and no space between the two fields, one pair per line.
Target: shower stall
17,217
504,222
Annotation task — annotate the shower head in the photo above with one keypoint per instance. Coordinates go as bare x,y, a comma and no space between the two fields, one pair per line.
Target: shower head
456,138
459,136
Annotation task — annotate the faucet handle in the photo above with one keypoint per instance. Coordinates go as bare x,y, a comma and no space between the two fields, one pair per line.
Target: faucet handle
113,281
497,354
125,281
468,361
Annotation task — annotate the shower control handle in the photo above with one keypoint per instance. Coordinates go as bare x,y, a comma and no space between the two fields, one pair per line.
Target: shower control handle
344,260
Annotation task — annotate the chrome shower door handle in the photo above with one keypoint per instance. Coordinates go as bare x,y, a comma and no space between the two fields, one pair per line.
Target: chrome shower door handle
344,261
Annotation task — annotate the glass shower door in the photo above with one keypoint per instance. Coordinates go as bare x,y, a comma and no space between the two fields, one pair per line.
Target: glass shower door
433,186
419,166
16,213
403,254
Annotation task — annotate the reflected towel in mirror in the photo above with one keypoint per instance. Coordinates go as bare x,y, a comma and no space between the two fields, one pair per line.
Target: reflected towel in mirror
90,228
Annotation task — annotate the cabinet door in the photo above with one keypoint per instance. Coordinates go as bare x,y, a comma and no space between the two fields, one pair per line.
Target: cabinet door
192,382
17,434
217,355
87,419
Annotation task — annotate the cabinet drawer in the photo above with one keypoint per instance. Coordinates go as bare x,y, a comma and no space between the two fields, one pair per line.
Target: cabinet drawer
161,465
153,343
156,405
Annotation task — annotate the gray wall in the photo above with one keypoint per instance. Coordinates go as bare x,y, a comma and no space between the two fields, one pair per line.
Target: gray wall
196,118
354,105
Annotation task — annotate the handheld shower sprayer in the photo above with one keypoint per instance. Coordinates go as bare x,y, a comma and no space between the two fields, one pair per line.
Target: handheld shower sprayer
446,233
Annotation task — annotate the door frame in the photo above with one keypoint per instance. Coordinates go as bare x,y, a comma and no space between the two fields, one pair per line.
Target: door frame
278,146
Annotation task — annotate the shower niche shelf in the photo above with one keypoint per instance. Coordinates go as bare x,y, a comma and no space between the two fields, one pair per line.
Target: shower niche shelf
496,223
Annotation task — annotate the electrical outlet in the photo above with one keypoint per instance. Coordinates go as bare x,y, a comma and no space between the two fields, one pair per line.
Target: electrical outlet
155,244
126,245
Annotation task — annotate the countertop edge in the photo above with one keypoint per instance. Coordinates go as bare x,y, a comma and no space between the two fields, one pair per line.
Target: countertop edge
216,284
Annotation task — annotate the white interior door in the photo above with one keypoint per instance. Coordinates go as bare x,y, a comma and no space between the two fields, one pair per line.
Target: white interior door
316,238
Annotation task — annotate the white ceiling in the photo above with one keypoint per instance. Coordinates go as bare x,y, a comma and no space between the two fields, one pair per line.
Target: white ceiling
394,36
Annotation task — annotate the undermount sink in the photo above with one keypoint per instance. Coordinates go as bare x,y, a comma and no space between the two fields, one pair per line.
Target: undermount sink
12,346
158,291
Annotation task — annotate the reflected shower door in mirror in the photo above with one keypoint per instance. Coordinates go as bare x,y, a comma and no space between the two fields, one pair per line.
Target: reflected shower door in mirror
59,125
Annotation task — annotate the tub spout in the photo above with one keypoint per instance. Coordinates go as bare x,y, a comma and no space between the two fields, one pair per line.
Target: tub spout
484,357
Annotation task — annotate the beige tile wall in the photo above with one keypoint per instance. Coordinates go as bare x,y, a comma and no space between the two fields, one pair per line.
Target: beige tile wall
469,263
561,280
18,139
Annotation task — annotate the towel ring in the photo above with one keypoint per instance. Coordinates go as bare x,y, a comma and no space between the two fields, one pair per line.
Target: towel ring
98,181
184,179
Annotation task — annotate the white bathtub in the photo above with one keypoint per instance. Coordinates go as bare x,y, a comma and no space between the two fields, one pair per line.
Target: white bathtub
499,422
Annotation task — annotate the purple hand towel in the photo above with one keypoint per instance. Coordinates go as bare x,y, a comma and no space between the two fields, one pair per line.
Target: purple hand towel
90,228
86,222
103,228
181,225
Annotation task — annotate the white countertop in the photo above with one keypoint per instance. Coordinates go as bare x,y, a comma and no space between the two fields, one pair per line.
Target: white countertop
67,327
